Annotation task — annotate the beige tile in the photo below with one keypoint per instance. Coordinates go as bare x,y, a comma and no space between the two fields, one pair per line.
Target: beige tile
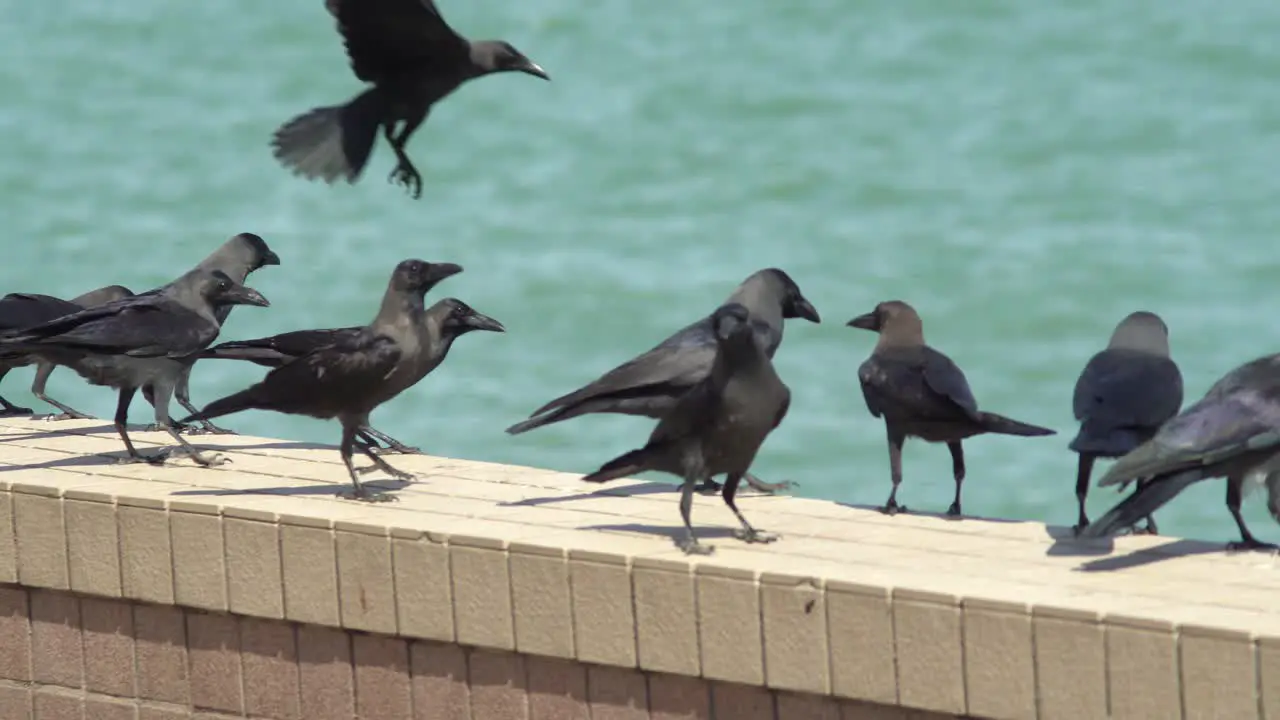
57,656
163,712
557,689
999,661
213,651
859,710
677,697
498,687
729,628
327,679
541,603
15,635
482,597
199,575
795,634
146,555
1070,665
99,707
603,620
15,702
161,653
1218,674
41,541
1269,676
254,581
666,620
8,547
108,646
424,598
440,684
742,702
860,623
310,575
1142,671
383,691
269,656
58,704
928,648
93,548
617,693
365,584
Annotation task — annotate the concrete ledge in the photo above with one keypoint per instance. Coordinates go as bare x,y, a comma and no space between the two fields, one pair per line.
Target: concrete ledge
850,611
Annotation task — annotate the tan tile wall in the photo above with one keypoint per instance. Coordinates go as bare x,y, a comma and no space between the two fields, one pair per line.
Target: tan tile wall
491,590
64,656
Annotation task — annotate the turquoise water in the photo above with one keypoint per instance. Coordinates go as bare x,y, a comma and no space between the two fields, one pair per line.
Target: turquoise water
1024,173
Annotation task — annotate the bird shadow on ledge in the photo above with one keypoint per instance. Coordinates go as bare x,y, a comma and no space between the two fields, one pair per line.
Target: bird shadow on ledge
379,485
672,532
912,512
1150,556
652,488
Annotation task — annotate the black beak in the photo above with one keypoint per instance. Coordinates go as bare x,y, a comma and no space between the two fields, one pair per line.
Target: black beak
241,295
270,259
440,271
865,322
806,310
480,321
531,68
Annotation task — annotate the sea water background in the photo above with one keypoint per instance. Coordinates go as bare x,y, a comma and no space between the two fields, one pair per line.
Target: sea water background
1024,173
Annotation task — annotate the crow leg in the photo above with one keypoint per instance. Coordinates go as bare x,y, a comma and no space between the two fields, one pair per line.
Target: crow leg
183,393
957,471
163,392
690,544
1151,528
747,533
357,491
404,174
43,371
1247,540
122,427
1084,469
891,507
8,409
149,392
372,436
383,465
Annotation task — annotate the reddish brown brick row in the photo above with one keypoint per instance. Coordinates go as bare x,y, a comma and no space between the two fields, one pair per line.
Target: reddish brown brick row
70,657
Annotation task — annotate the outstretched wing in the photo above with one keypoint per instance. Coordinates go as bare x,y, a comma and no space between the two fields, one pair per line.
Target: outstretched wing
387,38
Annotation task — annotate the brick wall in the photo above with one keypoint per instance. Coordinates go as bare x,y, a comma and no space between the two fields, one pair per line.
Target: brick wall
64,656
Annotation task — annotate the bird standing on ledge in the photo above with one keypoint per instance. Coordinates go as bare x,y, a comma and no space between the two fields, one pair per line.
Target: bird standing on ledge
414,59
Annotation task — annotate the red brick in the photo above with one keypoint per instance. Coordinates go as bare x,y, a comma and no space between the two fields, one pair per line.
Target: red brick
324,661
213,649
498,685
108,646
557,689
59,705
57,647
15,635
741,702
677,697
15,702
440,690
382,678
162,654
807,707
270,657
105,708
617,694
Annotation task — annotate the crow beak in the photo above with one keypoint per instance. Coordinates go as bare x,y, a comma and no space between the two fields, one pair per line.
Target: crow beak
865,322
270,259
245,296
532,68
806,310
440,271
480,321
